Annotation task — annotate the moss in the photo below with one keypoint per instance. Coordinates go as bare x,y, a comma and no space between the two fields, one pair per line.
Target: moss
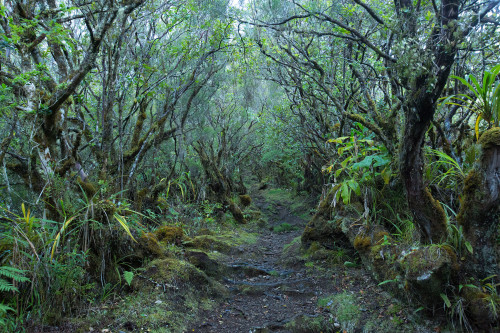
253,214
237,213
108,207
479,306
490,138
223,243
170,293
345,307
362,242
245,200
439,224
150,242
381,236
206,231
284,227
88,188
170,234
307,323
472,190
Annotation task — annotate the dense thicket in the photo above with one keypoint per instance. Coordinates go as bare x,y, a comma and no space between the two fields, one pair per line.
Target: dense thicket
148,109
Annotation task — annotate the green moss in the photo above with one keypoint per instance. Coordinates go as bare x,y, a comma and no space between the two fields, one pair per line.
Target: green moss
169,234
87,187
345,307
284,227
223,243
490,138
150,242
471,197
245,200
362,242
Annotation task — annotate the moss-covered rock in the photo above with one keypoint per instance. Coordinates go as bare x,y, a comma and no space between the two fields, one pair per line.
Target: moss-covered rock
482,307
209,243
172,273
224,243
203,262
428,271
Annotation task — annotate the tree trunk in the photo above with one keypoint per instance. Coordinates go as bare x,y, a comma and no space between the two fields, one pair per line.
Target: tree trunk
480,211
427,212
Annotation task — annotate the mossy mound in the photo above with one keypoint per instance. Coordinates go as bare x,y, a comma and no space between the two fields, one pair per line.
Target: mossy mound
202,261
245,200
150,243
172,274
169,234
224,243
168,296
480,308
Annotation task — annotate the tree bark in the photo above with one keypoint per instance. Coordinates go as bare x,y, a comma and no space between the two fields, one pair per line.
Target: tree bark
479,214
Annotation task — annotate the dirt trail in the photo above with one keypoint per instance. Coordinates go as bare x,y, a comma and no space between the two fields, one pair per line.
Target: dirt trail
277,292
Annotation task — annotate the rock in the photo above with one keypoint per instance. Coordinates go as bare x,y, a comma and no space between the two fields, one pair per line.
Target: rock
203,262
428,271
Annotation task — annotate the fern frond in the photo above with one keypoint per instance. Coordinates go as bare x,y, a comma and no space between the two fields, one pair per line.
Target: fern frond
4,308
6,286
13,273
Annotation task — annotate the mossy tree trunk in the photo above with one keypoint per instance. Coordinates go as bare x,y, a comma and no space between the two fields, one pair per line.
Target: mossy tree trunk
220,184
419,110
480,212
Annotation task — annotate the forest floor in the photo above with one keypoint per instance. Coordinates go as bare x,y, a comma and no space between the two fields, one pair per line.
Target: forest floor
253,278
281,288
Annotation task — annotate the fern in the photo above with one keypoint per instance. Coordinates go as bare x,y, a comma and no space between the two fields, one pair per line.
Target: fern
11,273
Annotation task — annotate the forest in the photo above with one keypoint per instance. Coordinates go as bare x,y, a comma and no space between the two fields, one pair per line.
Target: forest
249,166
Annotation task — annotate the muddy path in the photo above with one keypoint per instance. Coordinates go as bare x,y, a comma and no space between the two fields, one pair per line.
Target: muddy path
276,287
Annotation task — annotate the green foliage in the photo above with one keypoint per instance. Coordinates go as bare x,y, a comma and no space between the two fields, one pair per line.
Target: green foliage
11,273
360,162
486,93
7,102
345,307
444,170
